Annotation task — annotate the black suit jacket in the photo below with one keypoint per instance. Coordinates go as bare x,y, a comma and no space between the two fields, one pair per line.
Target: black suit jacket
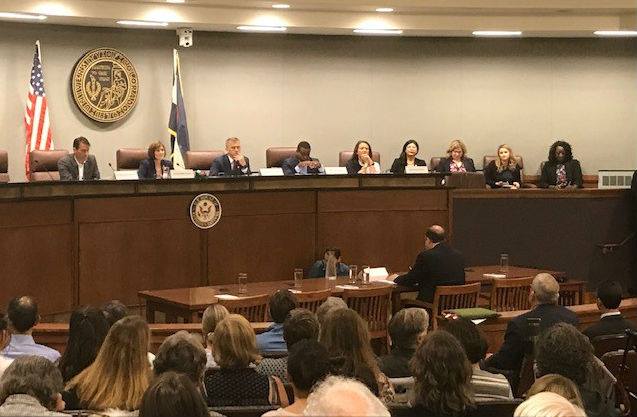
491,175
221,165
398,167
146,169
608,325
69,170
573,174
516,338
445,165
441,265
289,164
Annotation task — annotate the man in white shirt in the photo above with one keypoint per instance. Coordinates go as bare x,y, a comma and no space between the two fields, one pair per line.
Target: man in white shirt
79,166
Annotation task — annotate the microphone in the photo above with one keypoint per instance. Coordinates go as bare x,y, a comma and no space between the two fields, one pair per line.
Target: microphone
37,165
112,169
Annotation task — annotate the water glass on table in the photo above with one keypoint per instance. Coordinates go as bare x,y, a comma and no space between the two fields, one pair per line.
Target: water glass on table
504,263
298,278
365,272
353,274
242,281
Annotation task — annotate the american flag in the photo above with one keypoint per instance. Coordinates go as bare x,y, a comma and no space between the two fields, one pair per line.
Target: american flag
36,117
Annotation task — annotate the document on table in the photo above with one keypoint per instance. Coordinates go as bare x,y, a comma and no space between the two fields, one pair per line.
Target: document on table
227,297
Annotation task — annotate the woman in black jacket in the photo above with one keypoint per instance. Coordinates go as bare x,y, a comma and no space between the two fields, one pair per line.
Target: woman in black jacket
504,171
407,158
155,166
561,170
457,160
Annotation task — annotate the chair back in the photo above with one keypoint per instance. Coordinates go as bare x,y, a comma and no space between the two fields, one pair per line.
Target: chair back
571,293
488,158
403,389
275,156
510,294
252,308
244,410
345,156
628,377
201,160
504,408
4,166
372,304
434,162
43,165
129,158
311,300
451,297
608,343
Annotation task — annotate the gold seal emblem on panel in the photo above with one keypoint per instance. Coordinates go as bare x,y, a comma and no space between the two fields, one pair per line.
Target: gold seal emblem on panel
205,211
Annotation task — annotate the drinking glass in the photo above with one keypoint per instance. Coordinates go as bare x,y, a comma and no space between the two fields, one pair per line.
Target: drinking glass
242,280
298,278
353,274
504,263
365,272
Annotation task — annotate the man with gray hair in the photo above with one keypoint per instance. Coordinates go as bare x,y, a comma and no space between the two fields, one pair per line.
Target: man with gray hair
544,295
406,329
337,396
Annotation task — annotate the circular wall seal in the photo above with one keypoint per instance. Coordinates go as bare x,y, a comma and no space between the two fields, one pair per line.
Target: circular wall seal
205,211
105,85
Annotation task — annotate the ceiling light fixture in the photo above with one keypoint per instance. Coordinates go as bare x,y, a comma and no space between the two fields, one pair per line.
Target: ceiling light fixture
262,28
24,16
497,33
280,6
141,23
378,31
385,10
616,33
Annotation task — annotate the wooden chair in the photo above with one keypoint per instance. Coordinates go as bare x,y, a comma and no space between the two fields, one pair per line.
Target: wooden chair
510,294
449,297
571,293
311,300
252,308
373,305
608,343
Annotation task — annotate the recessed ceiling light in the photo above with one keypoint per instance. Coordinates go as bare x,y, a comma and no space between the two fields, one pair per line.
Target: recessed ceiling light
176,1
5,15
379,31
263,28
496,33
385,10
280,6
141,23
615,32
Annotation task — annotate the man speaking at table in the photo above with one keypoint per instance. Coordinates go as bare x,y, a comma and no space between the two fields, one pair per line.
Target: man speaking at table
438,264
79,165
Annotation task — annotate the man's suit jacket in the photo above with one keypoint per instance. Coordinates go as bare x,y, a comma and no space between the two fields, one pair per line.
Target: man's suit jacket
289,164
69,171
516,338
221,165
441,265
615,324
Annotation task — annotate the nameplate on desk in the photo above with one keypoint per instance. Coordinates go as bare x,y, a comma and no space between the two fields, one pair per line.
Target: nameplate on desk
126,175
416,170
182,174
335,171
271,172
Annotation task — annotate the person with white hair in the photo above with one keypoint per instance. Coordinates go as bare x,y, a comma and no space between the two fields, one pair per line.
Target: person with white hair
544,294
337,396
548,404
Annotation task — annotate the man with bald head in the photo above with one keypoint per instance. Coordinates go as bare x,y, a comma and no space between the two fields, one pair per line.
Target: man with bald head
544,294
438,264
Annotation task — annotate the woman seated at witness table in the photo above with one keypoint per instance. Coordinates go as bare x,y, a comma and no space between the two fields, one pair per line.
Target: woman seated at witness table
561,170
155,166
361,162
504,171
236,382
407,158
457,160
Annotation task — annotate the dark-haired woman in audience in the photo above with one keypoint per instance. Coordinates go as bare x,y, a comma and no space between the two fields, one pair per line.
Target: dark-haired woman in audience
87,329
561,170
457,160
361,161
503,171
407,158
346,338
120,374
155,166
173,395
236,381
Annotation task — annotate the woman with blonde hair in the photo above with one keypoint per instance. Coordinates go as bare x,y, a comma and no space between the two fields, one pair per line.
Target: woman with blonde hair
236,382
558,384
548,404
457,160
120,374
212,316
503,171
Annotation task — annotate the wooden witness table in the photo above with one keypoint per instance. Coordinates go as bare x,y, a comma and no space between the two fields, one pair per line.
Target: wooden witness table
476,273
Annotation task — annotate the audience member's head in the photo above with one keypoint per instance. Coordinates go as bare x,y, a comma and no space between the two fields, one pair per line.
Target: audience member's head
300,324
87,330
173,395
23,314
329,305
563,350
234,343
182,353
609,295
548,404
281,303
442,375
434,235
341,397
545,289
211,317
121,372
308,363
474,344
407,327
5,337
114,311
559,385
36,377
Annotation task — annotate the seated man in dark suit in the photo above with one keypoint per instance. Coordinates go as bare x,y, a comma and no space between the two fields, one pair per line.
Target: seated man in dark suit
79,166
609,297
544,294
232,163
302,163
438,264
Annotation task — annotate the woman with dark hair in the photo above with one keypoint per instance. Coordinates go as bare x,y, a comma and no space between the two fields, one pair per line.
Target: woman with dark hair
442,377
87,329
155,166
173,395
361,161
457,160
407,158
503,171
561,170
